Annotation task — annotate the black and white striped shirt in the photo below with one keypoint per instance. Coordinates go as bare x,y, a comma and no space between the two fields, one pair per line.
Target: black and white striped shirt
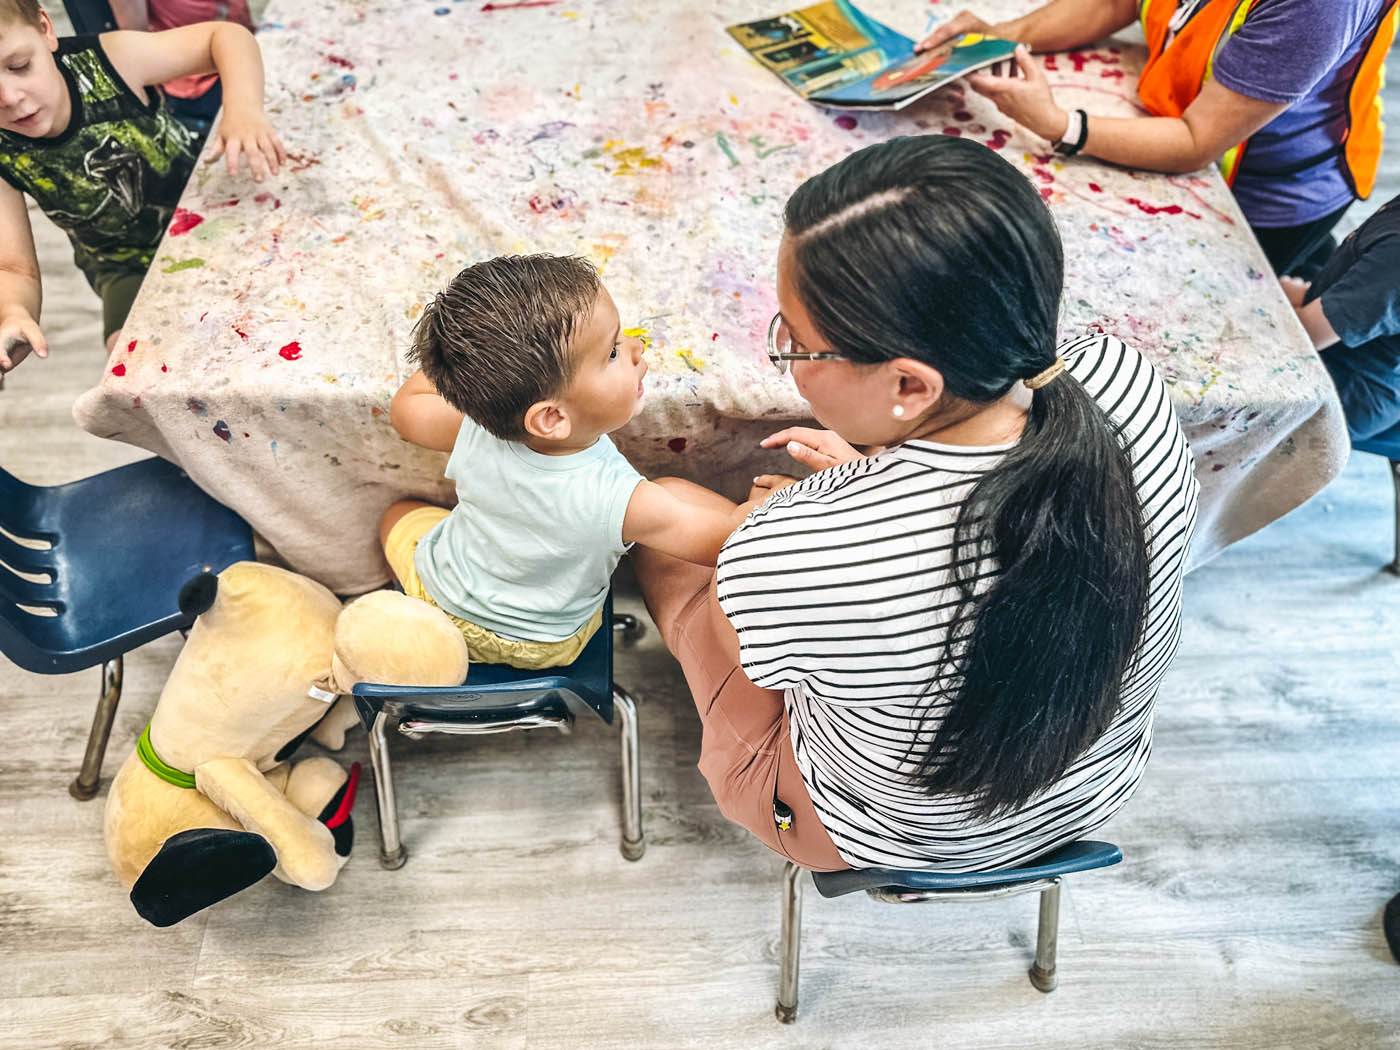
839,588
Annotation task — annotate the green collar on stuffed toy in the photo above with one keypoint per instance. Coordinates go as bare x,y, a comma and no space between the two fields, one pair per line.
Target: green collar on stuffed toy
169,774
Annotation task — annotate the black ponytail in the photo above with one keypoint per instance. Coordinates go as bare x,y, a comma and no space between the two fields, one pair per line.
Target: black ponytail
935,248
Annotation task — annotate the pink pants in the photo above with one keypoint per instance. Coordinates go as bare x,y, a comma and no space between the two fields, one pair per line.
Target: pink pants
745,753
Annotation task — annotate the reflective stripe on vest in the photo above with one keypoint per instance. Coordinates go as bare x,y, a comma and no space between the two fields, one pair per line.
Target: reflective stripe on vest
1175,73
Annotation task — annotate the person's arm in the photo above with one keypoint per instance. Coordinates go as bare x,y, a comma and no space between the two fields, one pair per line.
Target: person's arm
421,415
131,14
1218,120
20,291
225,48
1314,321
1058,26
658,518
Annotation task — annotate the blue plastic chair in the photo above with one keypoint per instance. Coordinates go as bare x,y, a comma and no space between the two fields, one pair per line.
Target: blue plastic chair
94,568
497,699
897,886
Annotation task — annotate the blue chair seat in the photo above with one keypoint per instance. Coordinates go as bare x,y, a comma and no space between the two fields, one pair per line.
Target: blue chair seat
112,554
497,698
1077,856
901,886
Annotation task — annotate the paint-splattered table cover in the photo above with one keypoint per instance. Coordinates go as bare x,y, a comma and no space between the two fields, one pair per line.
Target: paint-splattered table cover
269,337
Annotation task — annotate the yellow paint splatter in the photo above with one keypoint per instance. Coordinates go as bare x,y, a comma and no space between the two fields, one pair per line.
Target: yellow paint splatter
638,333
695,364
733,100
571,15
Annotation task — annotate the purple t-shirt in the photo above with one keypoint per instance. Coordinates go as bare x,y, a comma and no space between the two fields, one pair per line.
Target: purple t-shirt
1303,52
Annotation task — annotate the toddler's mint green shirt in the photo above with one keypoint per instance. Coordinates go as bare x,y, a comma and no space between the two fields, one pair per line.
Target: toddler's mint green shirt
530,548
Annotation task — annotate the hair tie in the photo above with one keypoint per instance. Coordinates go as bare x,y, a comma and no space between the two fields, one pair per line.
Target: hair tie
1037,381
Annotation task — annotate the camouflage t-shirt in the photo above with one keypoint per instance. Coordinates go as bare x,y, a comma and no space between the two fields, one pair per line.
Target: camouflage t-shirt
112,179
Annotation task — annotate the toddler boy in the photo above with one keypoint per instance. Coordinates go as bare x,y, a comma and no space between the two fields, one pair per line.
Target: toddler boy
84,134
524,372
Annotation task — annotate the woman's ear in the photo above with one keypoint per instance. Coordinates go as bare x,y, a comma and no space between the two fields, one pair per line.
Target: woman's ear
548,420
917,386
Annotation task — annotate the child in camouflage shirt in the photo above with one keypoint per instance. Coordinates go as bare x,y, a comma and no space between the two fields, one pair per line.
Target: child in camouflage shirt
84,134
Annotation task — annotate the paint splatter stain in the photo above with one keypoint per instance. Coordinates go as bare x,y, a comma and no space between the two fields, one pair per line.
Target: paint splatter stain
131,346
183,264
291,351
962,115
343,63
119,370
222,432
676,444
163,368
1096,187
442,11
999,139
846,122
241,334
519,3
1165,209
198,407
184,221
691,362
952,130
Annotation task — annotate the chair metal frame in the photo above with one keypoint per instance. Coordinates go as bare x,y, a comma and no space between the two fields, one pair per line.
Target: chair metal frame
496,699
57,554
894,886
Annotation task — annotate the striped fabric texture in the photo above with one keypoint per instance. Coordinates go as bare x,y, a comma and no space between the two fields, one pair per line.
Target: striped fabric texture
840,590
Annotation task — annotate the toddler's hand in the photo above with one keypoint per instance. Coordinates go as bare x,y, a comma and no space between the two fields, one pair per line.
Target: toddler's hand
1294,289
766,484
247,134
19,334
817,449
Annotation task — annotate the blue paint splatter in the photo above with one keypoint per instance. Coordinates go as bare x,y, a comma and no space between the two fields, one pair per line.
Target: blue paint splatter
221,430
442,10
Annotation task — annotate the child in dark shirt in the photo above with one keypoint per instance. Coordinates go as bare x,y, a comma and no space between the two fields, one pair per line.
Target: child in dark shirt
1352,313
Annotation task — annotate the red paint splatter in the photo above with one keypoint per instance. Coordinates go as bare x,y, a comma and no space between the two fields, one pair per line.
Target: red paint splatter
291,351
952,130
1150,209
131,346
1218,466
1051,64
519,3
1113,74
221,430
1043,175
1046,193
999,139
119,370
225,204
204,315
184,221
336,60
846,121
676,444
1096,187
962,115
164,369
241,334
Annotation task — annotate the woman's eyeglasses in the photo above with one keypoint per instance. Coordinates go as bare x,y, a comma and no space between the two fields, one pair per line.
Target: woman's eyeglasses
780,345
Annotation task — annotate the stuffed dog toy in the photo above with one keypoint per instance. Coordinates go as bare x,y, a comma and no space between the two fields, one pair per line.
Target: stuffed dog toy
208,803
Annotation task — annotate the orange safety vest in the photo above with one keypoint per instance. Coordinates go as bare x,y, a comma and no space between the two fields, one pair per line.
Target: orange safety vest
1175,74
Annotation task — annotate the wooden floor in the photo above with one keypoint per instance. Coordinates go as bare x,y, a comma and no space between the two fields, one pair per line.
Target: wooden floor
1260,851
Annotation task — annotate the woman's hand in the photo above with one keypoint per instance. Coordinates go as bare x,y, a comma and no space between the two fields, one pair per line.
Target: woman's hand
1026,99
962,22
1294,289
813,448
19,334
243,133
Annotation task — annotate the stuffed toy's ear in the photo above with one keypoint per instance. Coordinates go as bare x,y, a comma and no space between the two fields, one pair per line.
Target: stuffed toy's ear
197,868
389,637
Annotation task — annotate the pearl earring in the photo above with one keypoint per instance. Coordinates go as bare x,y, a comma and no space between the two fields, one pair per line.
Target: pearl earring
898,410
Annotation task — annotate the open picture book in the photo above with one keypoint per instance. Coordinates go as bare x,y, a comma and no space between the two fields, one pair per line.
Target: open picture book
832,54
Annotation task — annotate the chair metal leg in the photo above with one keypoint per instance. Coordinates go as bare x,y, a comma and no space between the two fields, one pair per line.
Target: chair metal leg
790,944
1047,940
85,786
633,839
1394,566
391,852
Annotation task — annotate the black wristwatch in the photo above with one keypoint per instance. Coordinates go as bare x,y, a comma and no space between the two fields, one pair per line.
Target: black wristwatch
1076,134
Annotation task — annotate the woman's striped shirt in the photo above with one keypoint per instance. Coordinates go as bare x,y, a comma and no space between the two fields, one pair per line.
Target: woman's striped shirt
840,590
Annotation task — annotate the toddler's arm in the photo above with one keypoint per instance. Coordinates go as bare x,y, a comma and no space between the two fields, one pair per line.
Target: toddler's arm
682,520
421,415
1315,322
20,293
225,48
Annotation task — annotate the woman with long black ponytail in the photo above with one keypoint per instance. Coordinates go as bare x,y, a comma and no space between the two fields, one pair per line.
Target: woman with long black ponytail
943,652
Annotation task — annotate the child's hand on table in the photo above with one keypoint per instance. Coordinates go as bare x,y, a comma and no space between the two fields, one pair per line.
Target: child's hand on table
251,135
